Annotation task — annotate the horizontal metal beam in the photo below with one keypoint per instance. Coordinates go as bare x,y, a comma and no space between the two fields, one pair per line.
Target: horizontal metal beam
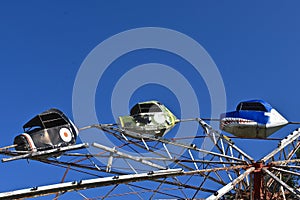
86,184
100,182
286,171
46,152
282,163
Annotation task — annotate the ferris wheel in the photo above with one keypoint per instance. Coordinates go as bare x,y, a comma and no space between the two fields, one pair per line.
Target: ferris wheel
142,162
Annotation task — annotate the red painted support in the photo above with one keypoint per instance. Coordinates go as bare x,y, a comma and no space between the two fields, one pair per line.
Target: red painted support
258,181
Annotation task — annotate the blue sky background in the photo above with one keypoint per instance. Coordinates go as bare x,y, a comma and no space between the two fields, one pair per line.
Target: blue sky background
255,46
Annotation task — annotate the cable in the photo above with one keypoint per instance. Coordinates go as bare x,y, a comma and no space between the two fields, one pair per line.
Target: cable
293,122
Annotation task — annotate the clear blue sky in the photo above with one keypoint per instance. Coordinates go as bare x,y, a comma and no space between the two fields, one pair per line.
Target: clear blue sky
255,46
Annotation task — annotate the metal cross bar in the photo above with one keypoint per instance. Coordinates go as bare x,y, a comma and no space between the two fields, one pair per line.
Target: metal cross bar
286,171
111,127
100,182
282,144
86,184
230,185
137,159
46,152
295,192
210,131
166,141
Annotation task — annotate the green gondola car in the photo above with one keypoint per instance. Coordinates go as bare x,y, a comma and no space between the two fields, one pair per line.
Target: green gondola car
151,118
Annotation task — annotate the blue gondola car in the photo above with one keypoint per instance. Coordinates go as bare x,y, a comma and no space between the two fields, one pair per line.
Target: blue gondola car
252,119
48,130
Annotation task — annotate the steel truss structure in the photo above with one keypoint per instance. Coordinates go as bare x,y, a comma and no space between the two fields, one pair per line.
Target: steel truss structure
148,167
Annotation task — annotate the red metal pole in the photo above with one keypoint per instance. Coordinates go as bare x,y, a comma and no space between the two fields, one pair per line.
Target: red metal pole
258,181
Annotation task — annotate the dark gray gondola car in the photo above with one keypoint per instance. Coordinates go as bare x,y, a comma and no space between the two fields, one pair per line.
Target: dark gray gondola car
48,130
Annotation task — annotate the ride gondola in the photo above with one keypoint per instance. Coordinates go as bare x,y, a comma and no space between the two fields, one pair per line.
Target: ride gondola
48,130
150,117
252,119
